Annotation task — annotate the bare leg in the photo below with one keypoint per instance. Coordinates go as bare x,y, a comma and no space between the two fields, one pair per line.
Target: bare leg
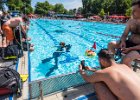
103,92
128,58
112,46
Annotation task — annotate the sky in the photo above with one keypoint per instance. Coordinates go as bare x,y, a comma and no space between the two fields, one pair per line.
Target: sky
68,4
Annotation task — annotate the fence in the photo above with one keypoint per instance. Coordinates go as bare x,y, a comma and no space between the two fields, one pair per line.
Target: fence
47,86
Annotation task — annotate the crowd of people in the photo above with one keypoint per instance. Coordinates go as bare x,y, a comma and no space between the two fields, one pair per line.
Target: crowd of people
118,81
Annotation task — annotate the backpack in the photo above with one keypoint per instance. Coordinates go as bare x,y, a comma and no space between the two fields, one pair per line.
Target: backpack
10,52
10,82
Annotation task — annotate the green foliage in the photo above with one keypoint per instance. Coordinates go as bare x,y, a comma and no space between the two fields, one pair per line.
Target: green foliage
71,12
44,7
80,10
21,5
112,6
59,8
102,13
128,12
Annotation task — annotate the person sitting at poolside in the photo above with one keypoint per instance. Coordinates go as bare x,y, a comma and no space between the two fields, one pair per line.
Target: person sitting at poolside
114,81
130,46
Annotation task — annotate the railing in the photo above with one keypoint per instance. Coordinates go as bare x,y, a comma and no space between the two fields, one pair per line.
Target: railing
39,88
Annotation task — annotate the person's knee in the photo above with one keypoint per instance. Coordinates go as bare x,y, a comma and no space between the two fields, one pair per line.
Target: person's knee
99,86
112,44
126,60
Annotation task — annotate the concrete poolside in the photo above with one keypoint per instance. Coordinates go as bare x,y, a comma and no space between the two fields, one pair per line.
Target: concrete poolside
74,93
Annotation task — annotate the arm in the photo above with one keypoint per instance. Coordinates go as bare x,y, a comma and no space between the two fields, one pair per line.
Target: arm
90,69
98,76
135,48
1,30
22,27
126,32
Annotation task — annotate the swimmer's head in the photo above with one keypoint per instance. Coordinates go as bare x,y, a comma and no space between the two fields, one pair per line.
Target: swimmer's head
62,44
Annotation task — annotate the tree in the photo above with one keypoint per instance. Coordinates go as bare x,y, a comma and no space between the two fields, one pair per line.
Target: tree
128,12
66,11
71,12
102,13
59,8
80,10
43,8
21,5
39,8
112,6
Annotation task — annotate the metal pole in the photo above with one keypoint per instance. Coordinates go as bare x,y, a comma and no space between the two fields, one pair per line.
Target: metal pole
40,89
30,91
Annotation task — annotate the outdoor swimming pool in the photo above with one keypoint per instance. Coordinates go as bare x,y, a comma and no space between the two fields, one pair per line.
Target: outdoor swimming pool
46,34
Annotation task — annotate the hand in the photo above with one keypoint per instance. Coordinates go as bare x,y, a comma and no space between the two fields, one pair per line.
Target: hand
88,68
122,45
126,50
82,72
23,39
80,67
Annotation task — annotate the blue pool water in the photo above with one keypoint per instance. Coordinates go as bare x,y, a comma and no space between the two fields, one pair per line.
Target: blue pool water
46,34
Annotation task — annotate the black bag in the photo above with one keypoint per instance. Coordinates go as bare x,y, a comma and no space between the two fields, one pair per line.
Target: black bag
10,52
10,82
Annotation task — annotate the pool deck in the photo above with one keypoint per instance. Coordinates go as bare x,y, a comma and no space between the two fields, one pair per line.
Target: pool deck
23,70
74,93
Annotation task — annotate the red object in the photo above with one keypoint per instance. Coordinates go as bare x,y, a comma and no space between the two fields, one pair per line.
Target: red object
114,16
122,17
94,45
96,17
5,91
79,16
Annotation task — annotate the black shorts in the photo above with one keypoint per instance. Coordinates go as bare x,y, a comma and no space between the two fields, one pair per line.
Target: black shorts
131,44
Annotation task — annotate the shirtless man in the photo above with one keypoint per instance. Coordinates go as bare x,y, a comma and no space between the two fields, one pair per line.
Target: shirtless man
12,23
114,81
130,46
